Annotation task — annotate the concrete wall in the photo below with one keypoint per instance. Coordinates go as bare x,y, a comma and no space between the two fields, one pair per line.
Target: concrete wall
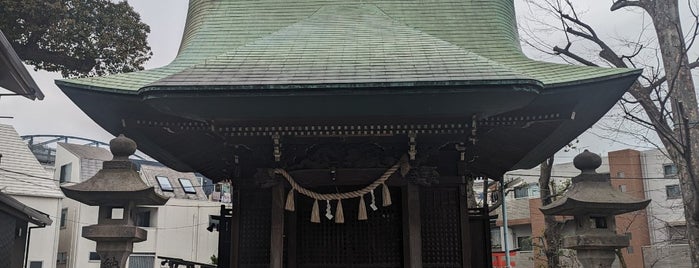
181,231
77,248
43,243
661,210
178,229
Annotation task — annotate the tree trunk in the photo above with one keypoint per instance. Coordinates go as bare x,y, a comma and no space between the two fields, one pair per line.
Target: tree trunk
668,28
620,256
552,234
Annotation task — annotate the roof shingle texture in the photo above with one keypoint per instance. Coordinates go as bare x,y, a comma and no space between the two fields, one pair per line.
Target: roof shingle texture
20,172
265,42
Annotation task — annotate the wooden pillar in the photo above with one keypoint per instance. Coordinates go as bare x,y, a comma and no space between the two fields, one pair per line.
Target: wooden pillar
276,251
291,240
465,227
412,227
235,230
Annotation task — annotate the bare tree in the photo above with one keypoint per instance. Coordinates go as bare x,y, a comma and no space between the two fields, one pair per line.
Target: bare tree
552,229
665,94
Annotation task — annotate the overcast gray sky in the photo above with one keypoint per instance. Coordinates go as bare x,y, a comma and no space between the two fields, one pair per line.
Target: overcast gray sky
56,114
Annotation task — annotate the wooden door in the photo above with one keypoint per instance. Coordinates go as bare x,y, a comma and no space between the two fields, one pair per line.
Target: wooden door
373,243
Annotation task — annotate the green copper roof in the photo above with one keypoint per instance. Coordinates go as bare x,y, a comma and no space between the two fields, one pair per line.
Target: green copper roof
247,43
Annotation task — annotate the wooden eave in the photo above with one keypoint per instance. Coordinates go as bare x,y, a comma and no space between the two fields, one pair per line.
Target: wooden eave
13,75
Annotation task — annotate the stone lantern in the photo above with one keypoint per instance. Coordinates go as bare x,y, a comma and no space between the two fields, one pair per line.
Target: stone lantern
117,189
593,203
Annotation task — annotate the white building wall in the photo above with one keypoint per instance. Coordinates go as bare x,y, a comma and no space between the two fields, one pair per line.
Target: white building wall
64,157
71,240
661,210
180,231
43,243
23,178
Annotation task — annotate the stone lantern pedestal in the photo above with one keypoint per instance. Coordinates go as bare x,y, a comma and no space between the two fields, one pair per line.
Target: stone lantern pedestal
593,203
117,189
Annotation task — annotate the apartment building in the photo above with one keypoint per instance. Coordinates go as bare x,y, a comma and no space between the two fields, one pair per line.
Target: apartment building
176,230
24,180
657,234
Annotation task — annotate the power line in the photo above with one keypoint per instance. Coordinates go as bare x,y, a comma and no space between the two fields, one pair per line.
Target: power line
613,178
56,218
54,180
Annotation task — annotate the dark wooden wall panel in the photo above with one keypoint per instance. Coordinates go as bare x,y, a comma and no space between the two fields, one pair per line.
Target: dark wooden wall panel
376,242
255,228
441,228
480,235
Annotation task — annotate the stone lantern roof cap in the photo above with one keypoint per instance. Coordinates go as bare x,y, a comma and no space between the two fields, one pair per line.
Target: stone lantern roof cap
592,193
117,183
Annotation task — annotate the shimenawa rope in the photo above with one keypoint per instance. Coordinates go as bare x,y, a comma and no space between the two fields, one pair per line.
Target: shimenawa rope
339,217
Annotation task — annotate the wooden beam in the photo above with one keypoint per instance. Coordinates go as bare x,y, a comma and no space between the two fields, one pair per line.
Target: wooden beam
235,231
412,227
276,253
291,241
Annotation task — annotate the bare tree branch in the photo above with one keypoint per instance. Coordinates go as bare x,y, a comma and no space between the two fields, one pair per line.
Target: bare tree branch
627,3
572,55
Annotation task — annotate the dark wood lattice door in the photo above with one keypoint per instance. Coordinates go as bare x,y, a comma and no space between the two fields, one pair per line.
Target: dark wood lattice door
255,219
441,227
376,242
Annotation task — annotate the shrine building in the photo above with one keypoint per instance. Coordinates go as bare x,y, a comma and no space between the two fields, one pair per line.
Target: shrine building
350,129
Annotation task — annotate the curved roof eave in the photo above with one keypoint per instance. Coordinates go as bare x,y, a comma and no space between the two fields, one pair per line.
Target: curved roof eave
14,76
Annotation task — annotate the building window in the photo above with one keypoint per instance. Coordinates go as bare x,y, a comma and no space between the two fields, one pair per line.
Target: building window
522,192
673,191
187,186
36,264
495,239
143,218
529,190
94,256
524,243
164,183
677,234
65,173
622,188
620,174
141,260
534,189
629,250
62,258
64,215
670,170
